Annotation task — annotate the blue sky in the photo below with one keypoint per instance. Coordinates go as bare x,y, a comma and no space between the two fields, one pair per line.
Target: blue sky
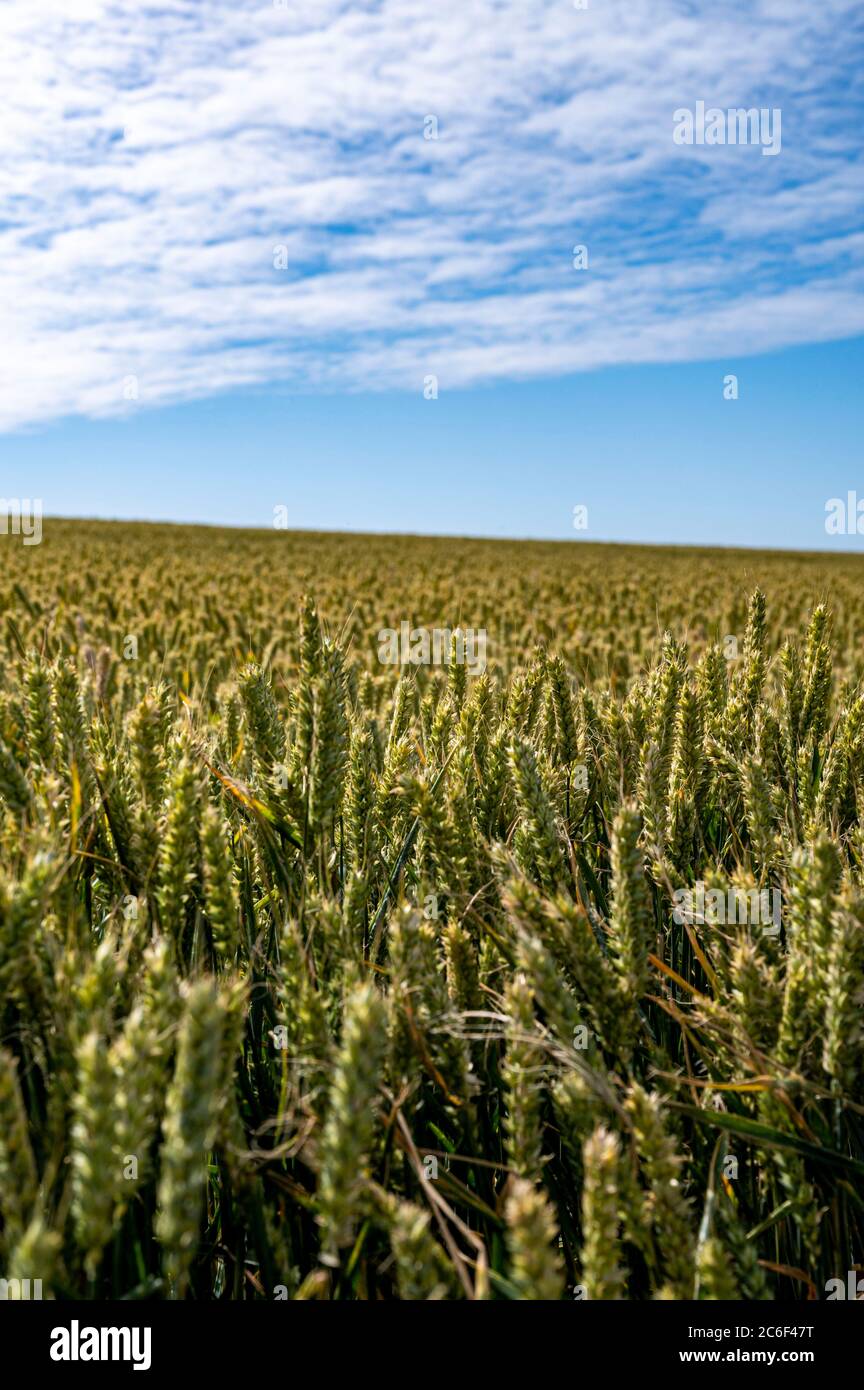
230,258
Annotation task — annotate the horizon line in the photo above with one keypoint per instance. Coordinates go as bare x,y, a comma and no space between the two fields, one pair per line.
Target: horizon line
458,536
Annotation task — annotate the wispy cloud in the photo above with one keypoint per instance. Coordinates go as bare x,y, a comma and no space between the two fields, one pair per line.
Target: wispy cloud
200,196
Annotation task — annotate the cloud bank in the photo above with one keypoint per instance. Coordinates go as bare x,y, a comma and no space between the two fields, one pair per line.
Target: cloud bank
198,197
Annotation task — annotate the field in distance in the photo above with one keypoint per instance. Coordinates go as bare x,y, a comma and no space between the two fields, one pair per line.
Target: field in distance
530,968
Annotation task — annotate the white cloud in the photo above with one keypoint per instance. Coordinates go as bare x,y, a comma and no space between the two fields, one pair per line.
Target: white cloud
152,156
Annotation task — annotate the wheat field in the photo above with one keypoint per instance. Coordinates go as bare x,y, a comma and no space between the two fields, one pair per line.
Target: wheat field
324,976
